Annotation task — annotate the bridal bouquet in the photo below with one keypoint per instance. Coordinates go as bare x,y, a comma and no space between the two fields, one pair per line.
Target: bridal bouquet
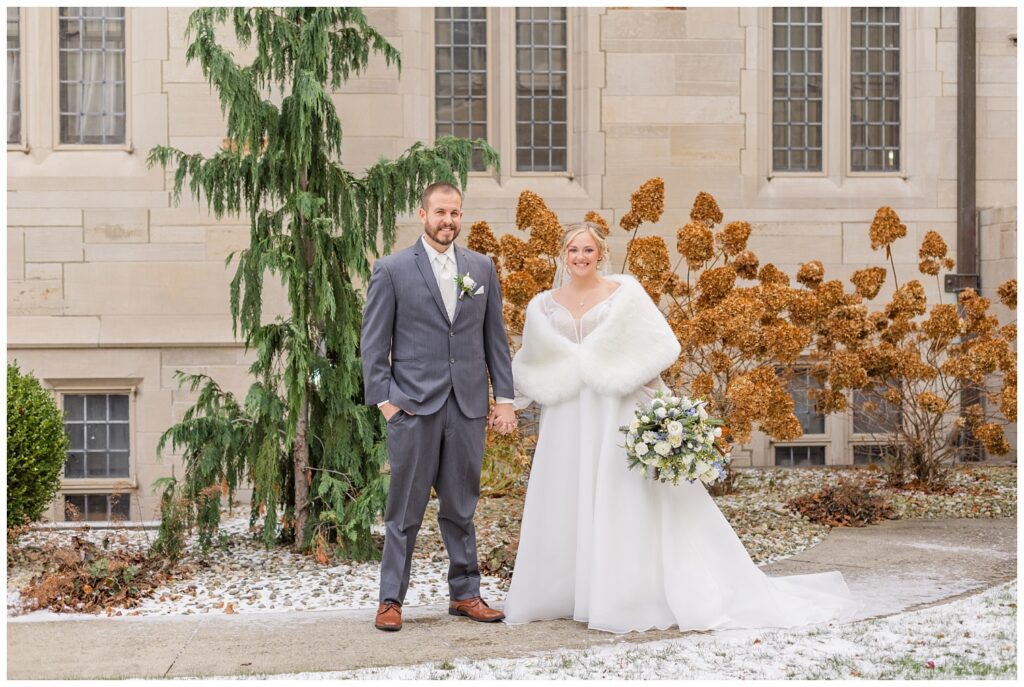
673,438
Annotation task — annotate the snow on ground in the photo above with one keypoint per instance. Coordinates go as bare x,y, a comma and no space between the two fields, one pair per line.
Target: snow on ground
972,637
254,580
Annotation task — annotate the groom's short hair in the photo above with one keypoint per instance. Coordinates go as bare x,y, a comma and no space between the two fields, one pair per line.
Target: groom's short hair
437,186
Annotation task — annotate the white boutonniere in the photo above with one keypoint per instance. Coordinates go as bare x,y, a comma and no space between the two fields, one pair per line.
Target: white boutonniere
467,285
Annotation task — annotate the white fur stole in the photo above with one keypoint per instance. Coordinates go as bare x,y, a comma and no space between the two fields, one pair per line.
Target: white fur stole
629,348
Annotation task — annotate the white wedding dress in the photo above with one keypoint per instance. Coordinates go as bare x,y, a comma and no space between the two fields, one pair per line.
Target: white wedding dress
603,545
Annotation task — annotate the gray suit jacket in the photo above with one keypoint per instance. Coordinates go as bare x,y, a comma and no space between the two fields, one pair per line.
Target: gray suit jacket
413,356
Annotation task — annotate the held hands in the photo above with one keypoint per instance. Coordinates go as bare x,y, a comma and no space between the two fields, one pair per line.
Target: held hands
502,418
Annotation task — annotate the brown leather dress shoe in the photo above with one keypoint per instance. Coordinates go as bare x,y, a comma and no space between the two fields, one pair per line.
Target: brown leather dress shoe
389,617
475,609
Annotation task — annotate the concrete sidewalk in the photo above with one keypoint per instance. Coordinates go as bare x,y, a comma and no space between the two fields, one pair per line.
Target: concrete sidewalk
894,567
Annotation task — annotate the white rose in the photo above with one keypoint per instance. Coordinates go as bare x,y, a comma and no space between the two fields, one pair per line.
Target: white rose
674,400
657,403
640,448
718,431
634,425
675,440
675,428
660,413
686,404
649,437
644,418
468,282
687,458
662,448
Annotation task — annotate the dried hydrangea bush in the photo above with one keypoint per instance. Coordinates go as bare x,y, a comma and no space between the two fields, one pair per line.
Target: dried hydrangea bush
746,328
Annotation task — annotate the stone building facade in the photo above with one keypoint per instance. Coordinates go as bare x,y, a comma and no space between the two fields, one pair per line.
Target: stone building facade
802,122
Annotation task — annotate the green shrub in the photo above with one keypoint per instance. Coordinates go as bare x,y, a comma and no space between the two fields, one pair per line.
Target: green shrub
36,447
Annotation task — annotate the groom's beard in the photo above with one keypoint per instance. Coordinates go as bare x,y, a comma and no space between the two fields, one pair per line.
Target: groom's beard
434,232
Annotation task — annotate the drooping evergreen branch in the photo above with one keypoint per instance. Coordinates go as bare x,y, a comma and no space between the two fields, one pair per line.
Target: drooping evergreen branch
303,434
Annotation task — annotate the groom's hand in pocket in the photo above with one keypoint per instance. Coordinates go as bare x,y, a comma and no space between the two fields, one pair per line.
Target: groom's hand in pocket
389,410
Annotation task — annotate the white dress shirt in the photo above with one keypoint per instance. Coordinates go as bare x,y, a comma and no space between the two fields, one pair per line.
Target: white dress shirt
436,258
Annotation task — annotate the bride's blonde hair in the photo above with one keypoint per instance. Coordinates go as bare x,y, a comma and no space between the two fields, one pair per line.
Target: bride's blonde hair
574,230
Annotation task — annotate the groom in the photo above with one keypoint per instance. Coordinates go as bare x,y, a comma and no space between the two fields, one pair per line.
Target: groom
432,322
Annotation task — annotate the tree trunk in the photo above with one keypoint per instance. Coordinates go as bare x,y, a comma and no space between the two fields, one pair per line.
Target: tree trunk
300,463
300,453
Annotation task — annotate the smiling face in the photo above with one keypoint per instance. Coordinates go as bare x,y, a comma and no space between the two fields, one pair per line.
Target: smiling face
582,255
442,218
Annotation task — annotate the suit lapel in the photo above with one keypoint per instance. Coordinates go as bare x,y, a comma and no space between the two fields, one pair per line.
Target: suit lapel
423,263
461,267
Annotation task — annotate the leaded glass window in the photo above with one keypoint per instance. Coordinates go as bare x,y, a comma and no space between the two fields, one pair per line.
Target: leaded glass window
92,75
460,74
97,507
542,89
98,428
797,89
875,89
796,456
13,75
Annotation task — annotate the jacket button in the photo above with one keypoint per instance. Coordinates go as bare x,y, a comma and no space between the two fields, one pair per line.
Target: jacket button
451,333
451,360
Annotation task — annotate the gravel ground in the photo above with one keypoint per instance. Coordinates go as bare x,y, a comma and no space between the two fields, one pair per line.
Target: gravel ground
244,577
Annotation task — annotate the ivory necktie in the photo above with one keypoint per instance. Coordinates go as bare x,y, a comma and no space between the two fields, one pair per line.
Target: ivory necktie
446,282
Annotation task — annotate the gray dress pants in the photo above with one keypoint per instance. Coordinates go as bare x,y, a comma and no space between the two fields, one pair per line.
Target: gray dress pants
443,450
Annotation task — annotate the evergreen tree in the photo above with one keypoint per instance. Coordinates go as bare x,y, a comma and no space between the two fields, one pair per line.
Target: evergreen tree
312,451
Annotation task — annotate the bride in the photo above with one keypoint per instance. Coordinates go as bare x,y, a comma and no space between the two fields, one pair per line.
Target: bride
600,543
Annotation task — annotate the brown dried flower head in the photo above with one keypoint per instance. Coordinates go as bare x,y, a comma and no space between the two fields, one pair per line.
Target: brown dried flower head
545,229
846,371
733,237
714,285
599,221
720,361
1008,402
929,266
649,263
542,270
849,325
811,273
908,301
482,240
630,221
932,246
677,286
1008,294
831,294
702,385
806,309
514,252
931,403
705,209
648,201
993,438
696,243
745,263
869,281
770,274
830,401
519,288
785,341
944,324
886,228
